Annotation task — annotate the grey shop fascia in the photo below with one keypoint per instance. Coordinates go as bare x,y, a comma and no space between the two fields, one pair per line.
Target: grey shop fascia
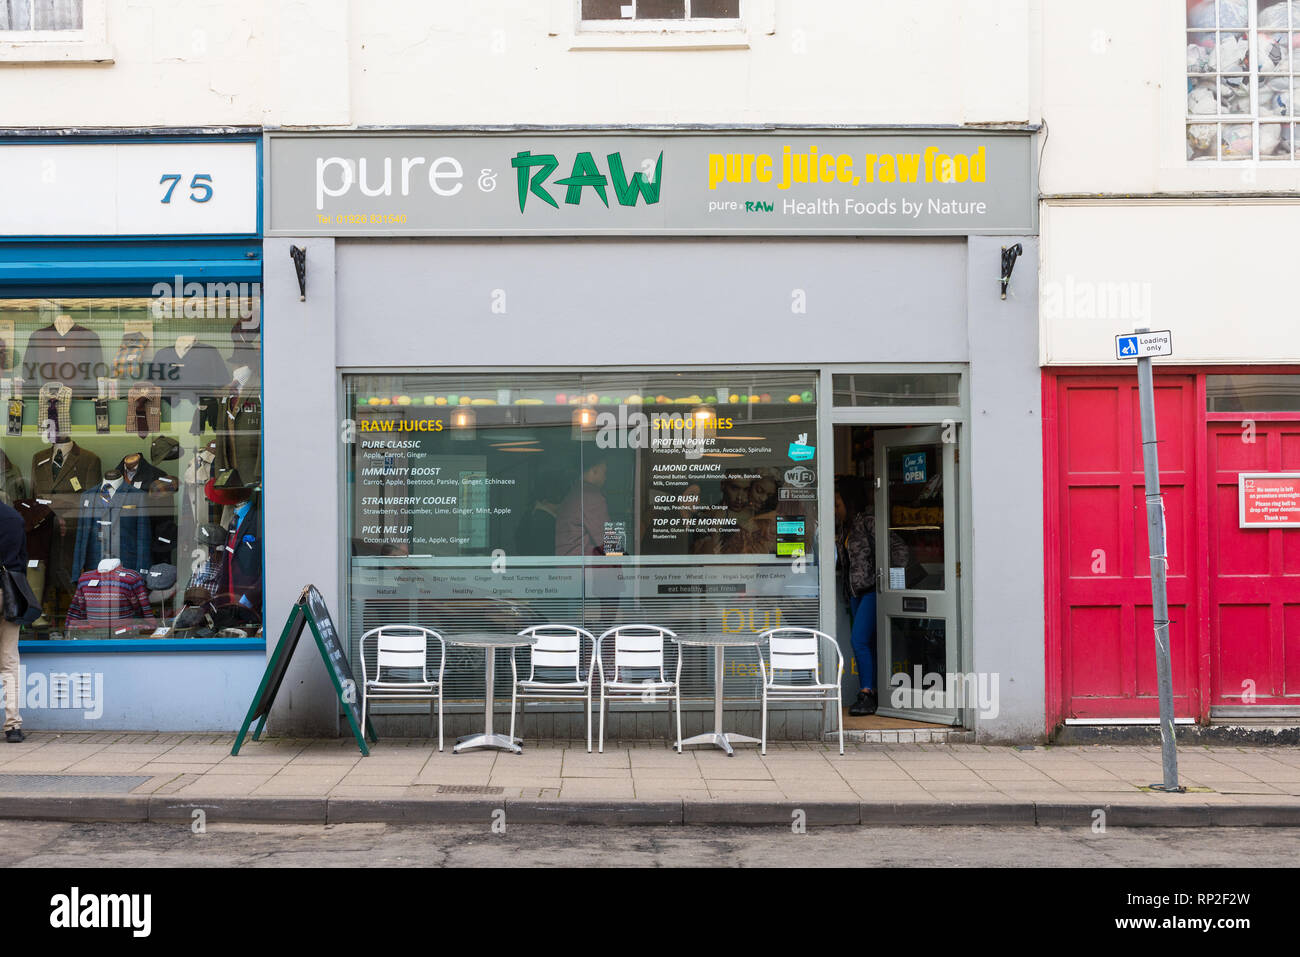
584,252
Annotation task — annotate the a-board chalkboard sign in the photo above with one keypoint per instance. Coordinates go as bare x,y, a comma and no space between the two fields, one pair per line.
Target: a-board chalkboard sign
310,612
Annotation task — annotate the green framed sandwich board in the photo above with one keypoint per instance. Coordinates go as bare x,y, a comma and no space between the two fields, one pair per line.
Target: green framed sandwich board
310,612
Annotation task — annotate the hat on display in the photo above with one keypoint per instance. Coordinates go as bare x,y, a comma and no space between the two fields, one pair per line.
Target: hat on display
161,576
197,595
227,488
164,486
163,449
211,534
158,597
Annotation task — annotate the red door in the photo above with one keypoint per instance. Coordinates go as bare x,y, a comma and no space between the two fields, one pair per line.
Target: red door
1254,572
1106,638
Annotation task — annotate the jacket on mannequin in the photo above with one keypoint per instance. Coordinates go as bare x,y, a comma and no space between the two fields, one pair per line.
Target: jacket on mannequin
124,514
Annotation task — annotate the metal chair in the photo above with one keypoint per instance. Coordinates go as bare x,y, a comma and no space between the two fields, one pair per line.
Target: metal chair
558,649
638,649
794,651
402,648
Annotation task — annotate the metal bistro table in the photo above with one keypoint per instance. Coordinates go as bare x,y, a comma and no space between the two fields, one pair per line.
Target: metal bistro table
490,642
720,643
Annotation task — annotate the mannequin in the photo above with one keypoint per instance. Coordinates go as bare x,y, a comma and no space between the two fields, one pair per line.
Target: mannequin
62,324
130,465
113,522
112,597
62,490
184,344
236,417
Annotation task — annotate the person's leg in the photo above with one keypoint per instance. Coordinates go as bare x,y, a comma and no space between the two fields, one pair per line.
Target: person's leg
9,673
867,658
863,653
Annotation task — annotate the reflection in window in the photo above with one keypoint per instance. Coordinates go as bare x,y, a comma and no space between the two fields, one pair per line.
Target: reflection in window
498,501
660,9
911,389
1252,393
132,451
41,14
915,497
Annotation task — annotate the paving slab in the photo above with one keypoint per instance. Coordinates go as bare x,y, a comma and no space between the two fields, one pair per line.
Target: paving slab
297,779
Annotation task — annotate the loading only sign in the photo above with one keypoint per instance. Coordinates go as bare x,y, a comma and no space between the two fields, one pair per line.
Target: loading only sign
1141,345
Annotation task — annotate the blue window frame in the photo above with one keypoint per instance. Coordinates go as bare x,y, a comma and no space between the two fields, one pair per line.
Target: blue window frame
166,391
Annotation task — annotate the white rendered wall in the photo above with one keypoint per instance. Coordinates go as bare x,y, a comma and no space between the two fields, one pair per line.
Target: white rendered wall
1213,272
1114,98
313,63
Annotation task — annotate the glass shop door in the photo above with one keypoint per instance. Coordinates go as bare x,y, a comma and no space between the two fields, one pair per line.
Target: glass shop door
917,572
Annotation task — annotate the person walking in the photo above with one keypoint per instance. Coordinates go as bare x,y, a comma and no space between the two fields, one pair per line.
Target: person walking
13,556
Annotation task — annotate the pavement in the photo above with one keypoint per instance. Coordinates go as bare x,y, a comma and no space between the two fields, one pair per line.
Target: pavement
134,777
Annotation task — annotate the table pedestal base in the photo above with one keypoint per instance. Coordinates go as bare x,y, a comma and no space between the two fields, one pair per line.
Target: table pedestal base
502,742
721,739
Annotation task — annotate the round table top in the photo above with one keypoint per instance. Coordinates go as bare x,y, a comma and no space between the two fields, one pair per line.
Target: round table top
717,639
491,639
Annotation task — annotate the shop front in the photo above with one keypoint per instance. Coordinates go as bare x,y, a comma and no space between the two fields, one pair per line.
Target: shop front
130,374
1227,405
600,378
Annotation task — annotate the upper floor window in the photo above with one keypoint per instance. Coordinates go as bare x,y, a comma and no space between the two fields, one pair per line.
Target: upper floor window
1242,60
41,15
652,14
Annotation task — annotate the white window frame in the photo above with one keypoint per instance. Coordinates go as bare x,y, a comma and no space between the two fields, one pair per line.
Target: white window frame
757,17
1255,118
87,45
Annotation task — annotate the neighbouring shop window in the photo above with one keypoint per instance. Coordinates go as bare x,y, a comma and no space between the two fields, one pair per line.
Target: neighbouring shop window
498,501
132,450
29,15
1241,79
1252,393
891,389
685,10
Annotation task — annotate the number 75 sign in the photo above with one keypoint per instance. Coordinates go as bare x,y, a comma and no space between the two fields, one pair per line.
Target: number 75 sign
200,186
130,189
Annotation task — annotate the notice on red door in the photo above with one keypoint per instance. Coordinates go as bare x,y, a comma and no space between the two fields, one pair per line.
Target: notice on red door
1269,499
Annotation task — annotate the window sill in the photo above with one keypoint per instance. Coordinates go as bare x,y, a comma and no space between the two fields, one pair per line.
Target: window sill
147,645
640,40
27,52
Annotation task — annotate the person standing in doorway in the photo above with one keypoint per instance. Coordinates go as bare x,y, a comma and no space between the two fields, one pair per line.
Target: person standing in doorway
13,556
581,518
855,541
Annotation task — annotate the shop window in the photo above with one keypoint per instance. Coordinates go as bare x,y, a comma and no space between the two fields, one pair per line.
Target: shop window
1241,79
498,501
40,15
132,450
54,31
1252,393
891,390
617,13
